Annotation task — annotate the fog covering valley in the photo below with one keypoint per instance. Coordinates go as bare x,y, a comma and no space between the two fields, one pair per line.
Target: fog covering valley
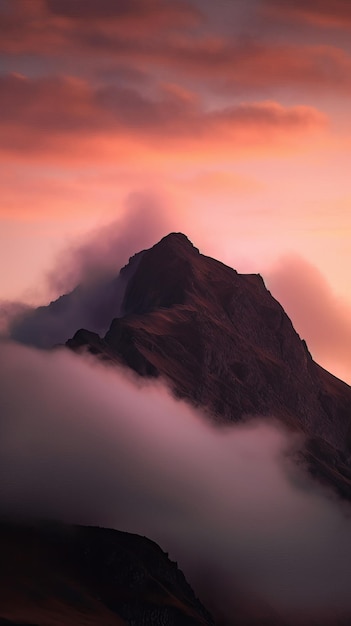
83,442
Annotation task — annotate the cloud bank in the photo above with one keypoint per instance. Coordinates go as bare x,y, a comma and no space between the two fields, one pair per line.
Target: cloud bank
87,273
319,315
65,114
103,251
85,443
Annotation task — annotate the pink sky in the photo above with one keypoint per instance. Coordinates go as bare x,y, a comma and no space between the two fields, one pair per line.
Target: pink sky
232,118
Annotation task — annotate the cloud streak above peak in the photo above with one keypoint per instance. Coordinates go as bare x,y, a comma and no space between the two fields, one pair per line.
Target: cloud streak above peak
65,113
320,13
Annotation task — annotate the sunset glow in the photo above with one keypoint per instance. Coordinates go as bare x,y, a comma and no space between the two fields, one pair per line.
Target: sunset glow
228,120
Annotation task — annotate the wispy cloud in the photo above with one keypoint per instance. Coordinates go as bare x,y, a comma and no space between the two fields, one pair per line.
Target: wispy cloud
55,114
317,12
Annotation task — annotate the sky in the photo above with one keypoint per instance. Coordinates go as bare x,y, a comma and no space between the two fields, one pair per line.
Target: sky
228,120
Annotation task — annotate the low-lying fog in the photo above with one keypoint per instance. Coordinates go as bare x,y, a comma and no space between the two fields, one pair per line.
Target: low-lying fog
83,442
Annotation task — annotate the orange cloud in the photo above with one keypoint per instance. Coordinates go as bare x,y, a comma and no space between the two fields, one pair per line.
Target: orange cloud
58,26
154,36
39,115
318,12
257,65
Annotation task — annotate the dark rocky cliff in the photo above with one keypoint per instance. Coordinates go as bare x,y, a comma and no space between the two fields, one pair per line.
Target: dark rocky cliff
225,344
75,575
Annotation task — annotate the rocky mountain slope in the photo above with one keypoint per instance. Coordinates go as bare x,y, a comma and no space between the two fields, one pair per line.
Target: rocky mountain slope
53,575
225,344
221,341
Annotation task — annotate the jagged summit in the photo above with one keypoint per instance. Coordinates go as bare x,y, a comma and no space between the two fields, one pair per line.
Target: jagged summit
172,244
217,337
224,343
162,276
176,241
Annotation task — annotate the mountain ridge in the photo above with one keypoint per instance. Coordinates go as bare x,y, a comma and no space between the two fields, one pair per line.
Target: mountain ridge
219,340
222,342
90,576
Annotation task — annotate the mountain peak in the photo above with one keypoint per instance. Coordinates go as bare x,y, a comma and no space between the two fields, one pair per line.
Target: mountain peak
178,240
224,343
162,277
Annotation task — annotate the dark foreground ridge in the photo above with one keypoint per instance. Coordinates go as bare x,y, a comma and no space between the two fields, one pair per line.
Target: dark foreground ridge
225,344
75,575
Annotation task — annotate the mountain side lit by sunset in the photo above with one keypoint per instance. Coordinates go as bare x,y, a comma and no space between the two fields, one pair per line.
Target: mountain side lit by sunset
228,121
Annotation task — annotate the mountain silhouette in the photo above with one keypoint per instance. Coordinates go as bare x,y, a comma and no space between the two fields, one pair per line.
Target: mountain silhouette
222,342
56,574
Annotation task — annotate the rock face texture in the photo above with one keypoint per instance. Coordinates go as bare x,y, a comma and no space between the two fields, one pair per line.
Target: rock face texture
225,344
221,341
53,575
